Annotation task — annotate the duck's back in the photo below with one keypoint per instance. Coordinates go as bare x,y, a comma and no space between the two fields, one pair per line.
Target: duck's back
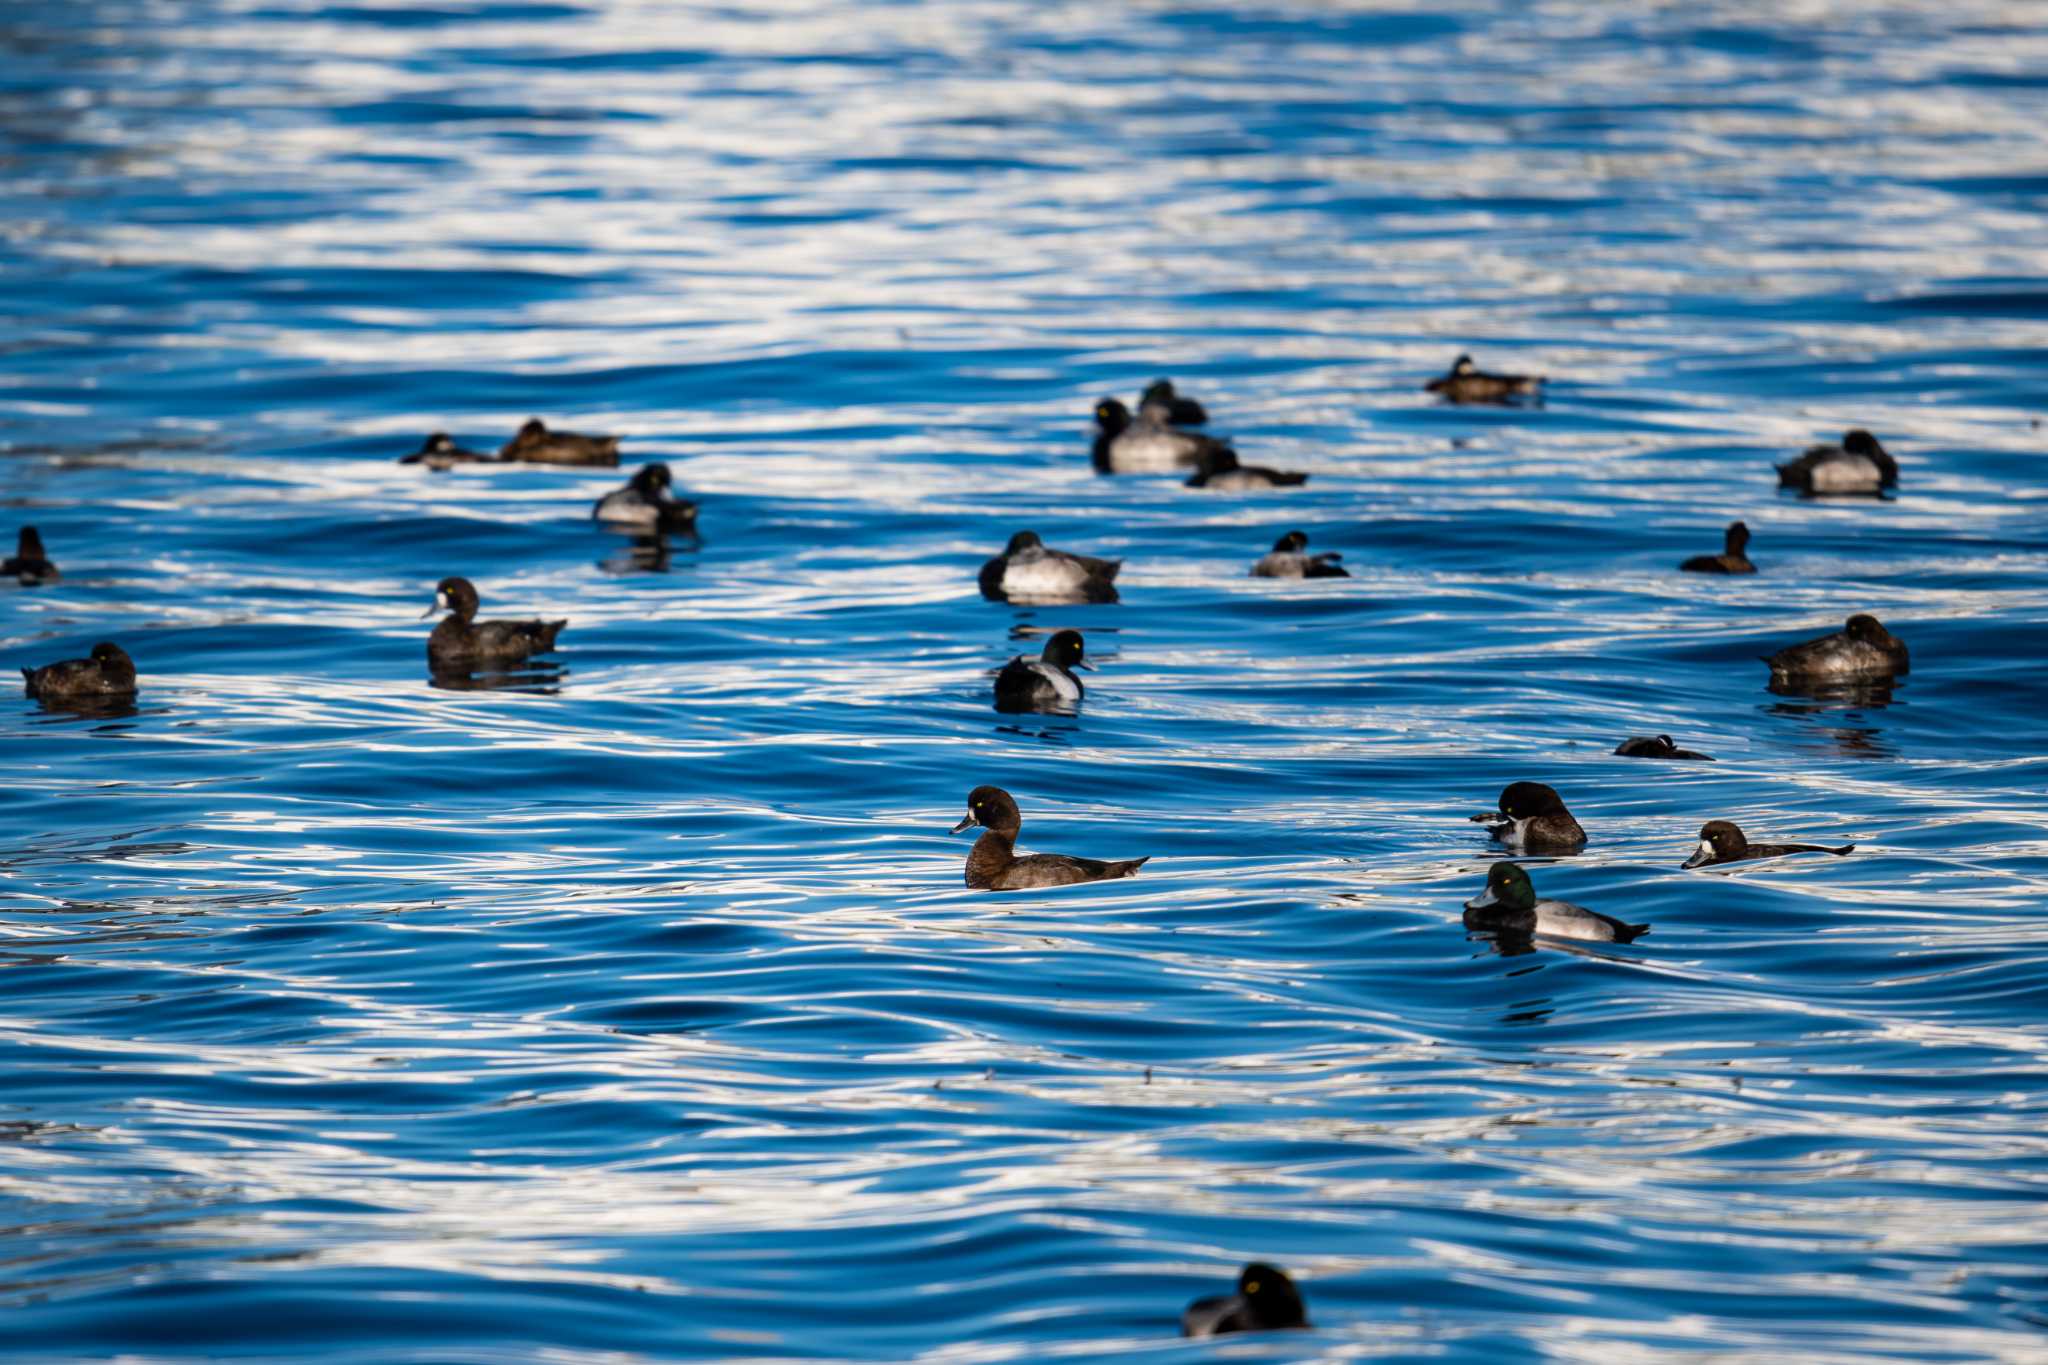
1562,919
1027,682
1057,869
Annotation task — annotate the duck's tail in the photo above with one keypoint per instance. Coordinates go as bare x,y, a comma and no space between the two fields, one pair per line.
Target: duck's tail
549,630
1844,851
28,680
1130,867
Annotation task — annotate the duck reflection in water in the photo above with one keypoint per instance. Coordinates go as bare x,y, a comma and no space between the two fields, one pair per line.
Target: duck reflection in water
540,679
647,554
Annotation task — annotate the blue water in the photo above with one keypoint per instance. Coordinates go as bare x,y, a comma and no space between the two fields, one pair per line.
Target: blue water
641,1014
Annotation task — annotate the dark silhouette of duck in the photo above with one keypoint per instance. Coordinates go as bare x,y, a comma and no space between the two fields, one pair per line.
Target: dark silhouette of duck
1046,683
1217,469
1862,649
1858,465
30,563
646,504
1734,541
1266,1300
1289,558
107,673
439,452
1657,746
1467,383
1722,841
1161,403
535,444
1532,817
993,864
461,642
1508,906
1028,570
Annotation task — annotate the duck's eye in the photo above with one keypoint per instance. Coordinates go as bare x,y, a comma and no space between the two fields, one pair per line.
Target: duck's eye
1252,1288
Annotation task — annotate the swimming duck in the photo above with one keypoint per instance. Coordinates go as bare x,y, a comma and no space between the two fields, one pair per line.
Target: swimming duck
1532,817
1145,445
1216,467
1029,571
1722,841
993,864
1731,559
1657,746
439,452
535,444
1508,905
1467,383
1289,558
1266,1300
1863,649
1858,465
108,672
1047,682
463,642
1159,403
30,564
645,502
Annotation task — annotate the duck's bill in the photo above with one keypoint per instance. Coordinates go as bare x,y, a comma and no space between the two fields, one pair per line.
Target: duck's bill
432,607
1084,666
1483,900
1492,819
966,822
1700,856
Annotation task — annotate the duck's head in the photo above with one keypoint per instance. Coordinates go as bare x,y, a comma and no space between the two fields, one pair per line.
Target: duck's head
652,480
1293,543
1066,649
28,543
454,594
437,444
1857,441
534,430
1507,886
1737,537
1524,800
1158,391
1866,628
1022,541
1271,1296
1720,841
1112,416
991,808
112,658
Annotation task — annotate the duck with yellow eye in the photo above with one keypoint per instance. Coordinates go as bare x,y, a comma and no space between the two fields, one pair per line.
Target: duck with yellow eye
1046,683
993,864
1144,444
1266,1300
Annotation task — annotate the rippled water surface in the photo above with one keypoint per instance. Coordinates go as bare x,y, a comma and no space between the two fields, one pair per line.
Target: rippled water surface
637,1011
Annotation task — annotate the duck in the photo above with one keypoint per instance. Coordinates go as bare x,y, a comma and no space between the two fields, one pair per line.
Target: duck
107,672
1658,746
1734,541
439,452
1508,905
1160,403
1863,648
461,642
1858,465
993,864
1143,445
1722,841
1047,682
1266,1300
1289,558
1028,570
1532,817
535,444
1467,383
31,564
645,503
1216,468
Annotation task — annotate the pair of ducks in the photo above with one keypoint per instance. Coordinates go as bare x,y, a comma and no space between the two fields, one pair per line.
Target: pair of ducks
1030,572
1531,818
534,443
459,643
1156,441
